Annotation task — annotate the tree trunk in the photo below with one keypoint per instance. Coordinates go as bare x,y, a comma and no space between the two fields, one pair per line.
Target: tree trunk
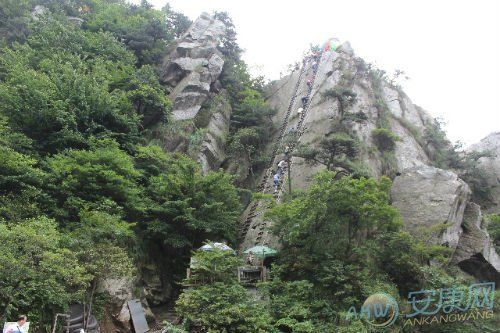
94,285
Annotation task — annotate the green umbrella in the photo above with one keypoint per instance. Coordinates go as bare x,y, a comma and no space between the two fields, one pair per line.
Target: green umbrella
261,251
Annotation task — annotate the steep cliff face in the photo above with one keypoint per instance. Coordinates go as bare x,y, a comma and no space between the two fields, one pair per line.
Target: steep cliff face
342,70
491,168
193,66
432,201
200,115
344,94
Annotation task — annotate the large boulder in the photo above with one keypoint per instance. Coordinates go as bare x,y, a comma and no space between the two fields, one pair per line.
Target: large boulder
475,253
120,290
213,146
491,167
193,66
432,203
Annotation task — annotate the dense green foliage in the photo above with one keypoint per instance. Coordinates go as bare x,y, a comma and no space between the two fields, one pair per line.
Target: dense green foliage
251,126
446,155
342,241
344,96
384,139
220,303
37,271
84,197
494,229
336,151
65,85
81,195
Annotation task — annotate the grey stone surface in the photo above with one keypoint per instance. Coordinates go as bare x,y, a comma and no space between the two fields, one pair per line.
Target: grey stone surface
193,66
119,291
491,167
432,203
213,147
346,48
475,252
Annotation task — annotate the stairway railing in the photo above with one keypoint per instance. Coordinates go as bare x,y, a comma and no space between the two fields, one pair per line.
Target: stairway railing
264,184
300,131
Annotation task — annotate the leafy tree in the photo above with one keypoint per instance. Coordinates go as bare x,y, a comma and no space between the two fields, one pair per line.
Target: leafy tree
187,208
292,305
475,176
183,207
100,243
438,147
250,127
327,232
20,177
14,21
444,154
246,141
103,178
148,97
221,306
214,265
59,100
38,275
344,96
229,46
396,255
384,139
66,84
20,185
494,229
251,110
142,29
335,151
177,23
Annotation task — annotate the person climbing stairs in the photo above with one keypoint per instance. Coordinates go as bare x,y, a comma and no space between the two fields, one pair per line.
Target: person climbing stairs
269,175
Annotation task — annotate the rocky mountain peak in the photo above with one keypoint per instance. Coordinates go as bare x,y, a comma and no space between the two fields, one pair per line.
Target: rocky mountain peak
193,66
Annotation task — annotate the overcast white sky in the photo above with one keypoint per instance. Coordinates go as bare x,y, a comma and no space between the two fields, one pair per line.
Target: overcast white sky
449,49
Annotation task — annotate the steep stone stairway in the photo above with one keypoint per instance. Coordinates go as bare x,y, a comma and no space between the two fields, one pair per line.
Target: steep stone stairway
262,236
300,130
264,184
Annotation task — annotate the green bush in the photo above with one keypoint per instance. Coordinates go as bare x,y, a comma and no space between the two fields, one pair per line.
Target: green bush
40,276
358,117
384,139
494,229
214,266
335,151
220,307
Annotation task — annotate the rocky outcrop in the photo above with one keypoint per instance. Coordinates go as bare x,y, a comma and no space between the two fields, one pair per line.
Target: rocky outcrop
343,70
475,253
432,203
193,66
119,291
201,111
491,168
154,290
213,147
